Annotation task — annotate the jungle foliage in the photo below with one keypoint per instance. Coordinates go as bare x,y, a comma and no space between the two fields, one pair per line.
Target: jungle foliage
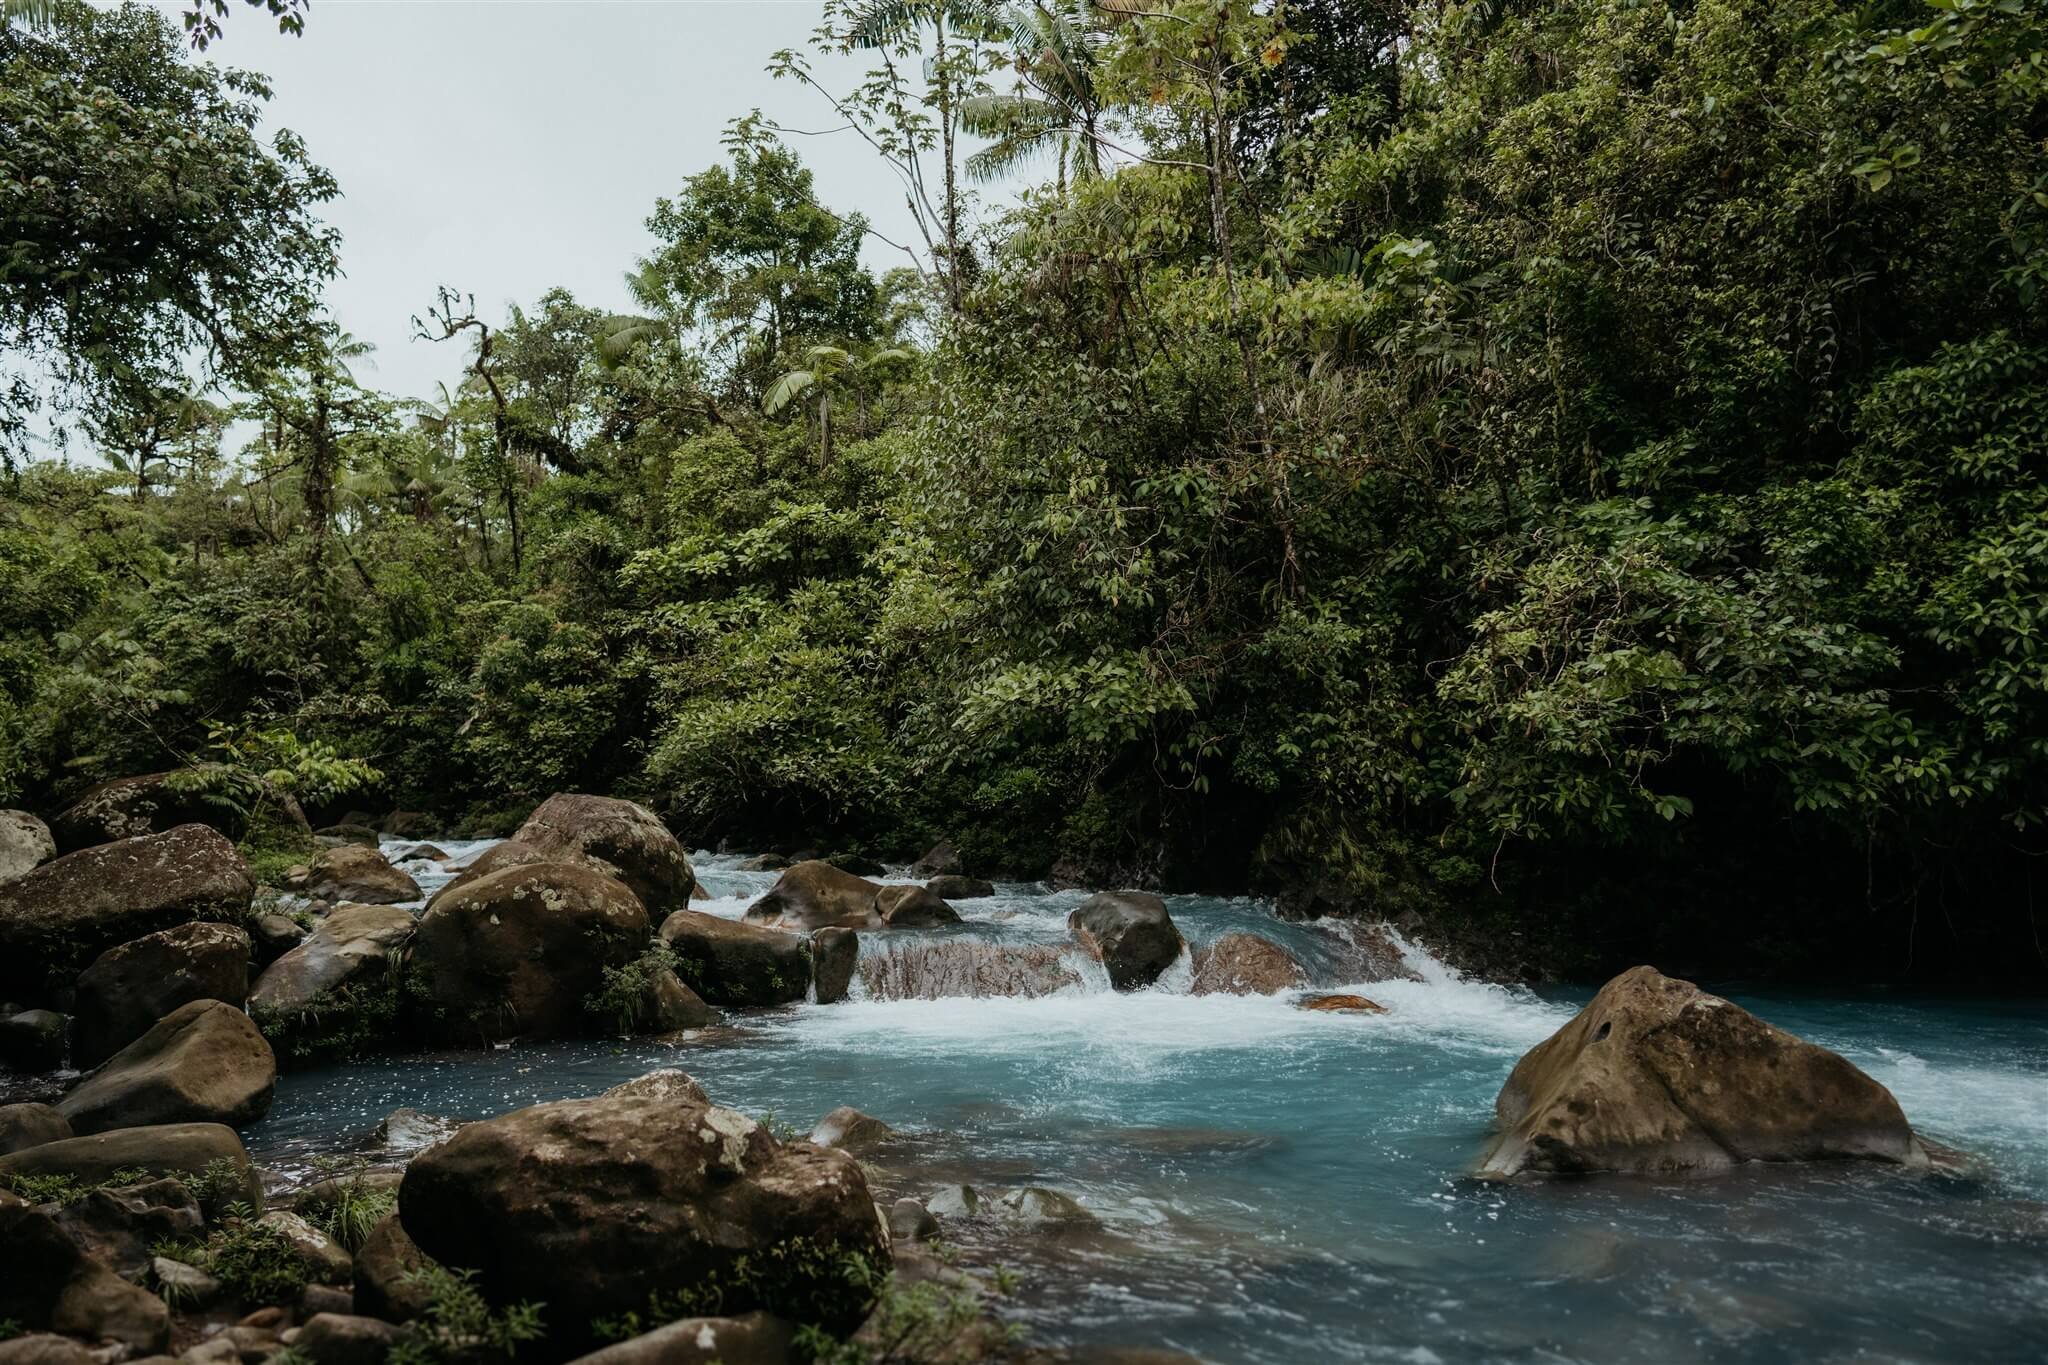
1569,470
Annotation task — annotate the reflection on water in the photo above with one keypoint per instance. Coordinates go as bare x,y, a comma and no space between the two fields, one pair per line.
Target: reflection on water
1279,1186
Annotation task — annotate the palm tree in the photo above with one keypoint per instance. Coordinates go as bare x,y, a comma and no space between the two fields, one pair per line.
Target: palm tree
28,13
1055,107
825,367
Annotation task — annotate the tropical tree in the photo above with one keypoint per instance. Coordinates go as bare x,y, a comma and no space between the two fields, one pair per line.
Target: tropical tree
827,369
1056,107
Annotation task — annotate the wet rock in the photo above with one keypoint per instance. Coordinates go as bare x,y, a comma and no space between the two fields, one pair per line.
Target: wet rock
275,935
517,952
385,1274
33,1040
764,862
408,1130
919,969
1035,1204
755,1339
595,1205
345,1339
955,1201
336,835
47,1283
1657,1075
355,873
496,858
671,1007
417,853
117,1227
325,990
953,887
1245,964
66,913
25,844
46,1348
319,1255
911,1221
1340,1004
619,838
408,824
849,1130
734,964
835,955
1130,933
812,895
940,860
129,988
913,907
129,807
859,864
182,1285
207,1157
203,1062
660,1085
215,1350
23,1126
699,892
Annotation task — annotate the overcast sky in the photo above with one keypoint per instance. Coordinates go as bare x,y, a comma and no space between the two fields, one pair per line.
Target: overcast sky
505,146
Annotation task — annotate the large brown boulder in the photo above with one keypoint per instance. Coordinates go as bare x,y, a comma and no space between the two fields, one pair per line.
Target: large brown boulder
117,1225
352,941
813,895
913,907
1657,1075
835,957
626,840
25,844
23,1126
66,913
128,807
204,1062
1130,933
200,1154
496,858
1245,964
386,1274
127,989
47,1283
353,872
599,1206
730,963
518,952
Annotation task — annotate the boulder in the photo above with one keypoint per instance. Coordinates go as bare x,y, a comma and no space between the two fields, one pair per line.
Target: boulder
940,860
911,1221
1035,1204
23,1126
1340,1004
813,894
417,853
48,1283
204,1062
671,1007
207,1157
835,956
25,844
955,1201
597,1206
344,1339
45,1348
1656,1075
354,941
954,887
129,988
734,964
619,838
66,913
118,1226
386,1270
518,951
496,858
33,1040
335,835
755,1339
660,1085
129,807
407,1130
187,1286
764,862
1245,964
318,1255
407,824
315,1299
275,935
912,907
1130,933
849,1130
352,872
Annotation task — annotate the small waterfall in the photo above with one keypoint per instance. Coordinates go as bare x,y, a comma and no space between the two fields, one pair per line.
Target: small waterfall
1178,979
1376,951
893,968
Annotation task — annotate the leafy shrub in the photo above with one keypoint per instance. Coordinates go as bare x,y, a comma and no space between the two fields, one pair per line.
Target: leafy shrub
459,1324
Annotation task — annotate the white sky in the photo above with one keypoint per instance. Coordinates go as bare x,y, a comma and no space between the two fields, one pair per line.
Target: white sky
505,146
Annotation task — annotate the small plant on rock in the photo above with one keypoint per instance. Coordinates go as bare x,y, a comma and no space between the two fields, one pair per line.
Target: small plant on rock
459,1323
627,995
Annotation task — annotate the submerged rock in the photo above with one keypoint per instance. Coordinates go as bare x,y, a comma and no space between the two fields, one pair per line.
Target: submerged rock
129,807
619,838
203,1063
25,844
519,951
1131,933
1035,1204
835,956
355,873
1245,964
1656,1075
408,1130
1341,1004
755,1339
596,1206
849,1130
64,914
128,988
734,964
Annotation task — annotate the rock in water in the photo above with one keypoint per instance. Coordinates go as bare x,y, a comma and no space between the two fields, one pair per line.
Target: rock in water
25,844
129,807
1245,964
1130,933
620,838
496,858
202,1063
597,1206
66,913
734,964
203,1155
849,1130
953,887
1341,1004
1656,1075
319,997
518,951
33,1040
353,872
913,907
835,954
813,895
660,1085
940,860
129,988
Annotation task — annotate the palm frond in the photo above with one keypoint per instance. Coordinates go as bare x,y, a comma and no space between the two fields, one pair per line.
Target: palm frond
786,388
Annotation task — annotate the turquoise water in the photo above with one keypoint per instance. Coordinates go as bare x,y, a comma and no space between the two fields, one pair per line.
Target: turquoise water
1279,1186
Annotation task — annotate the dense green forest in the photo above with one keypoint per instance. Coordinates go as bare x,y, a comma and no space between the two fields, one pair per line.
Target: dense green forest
1572,471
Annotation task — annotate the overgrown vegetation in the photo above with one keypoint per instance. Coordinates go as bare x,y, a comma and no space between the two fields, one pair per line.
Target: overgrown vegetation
626,1000
459,1324
1568,468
